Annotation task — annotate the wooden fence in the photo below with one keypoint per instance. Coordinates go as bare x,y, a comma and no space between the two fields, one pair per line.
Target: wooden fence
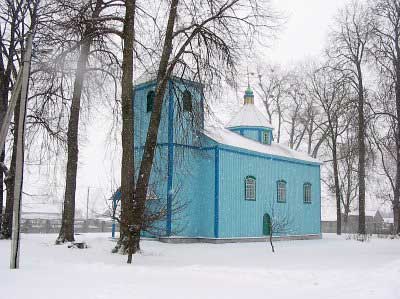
48,226
352,228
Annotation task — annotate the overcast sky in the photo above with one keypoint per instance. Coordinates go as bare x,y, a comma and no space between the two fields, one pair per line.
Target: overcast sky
306,29
303,36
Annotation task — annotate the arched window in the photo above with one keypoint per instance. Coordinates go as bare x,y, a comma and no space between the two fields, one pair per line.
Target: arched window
281,191
307,193
187,101
150,100
250,188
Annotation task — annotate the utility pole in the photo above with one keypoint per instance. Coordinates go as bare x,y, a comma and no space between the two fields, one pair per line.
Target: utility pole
19,167
87,204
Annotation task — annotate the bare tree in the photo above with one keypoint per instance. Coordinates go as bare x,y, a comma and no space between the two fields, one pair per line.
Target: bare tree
349,41
386,51
127,166
17,19
276,222
296,101
384,137
67,225
331,91
271,82
348,171
82,28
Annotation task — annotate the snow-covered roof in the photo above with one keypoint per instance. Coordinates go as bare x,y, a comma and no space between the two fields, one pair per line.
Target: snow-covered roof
227,137
146,77
249,116
388,220
151,75
41,208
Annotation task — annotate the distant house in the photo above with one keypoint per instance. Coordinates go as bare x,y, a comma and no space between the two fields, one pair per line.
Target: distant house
370,217
374,222
388,220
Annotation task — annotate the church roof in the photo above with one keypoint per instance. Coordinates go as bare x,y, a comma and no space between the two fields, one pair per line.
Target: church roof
227,137
249,116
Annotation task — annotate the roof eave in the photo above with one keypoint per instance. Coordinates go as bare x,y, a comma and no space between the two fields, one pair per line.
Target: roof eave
249,127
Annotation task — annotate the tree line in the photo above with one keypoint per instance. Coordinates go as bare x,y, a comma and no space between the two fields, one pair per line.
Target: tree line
343,107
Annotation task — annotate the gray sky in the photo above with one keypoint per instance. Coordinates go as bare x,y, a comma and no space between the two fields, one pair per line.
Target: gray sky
306,29
303,36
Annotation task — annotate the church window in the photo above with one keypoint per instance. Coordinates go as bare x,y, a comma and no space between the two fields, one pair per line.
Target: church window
266,137
307,193
281,191
150,100
250,188
187,101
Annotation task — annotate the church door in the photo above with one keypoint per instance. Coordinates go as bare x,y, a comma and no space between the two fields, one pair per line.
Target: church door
266,224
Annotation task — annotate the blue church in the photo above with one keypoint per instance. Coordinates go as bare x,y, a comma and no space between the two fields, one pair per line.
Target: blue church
221,184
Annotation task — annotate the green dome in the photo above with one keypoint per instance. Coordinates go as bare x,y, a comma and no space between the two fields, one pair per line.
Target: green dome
249,92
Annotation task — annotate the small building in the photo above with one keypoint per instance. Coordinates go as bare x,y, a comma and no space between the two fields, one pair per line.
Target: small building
224,183
370,217
374,222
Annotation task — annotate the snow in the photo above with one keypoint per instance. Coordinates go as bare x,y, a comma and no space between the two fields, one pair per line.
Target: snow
369,213
227,137
146,77
329,268
249,116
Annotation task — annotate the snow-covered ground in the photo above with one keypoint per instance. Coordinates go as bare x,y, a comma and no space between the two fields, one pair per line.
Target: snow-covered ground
329,268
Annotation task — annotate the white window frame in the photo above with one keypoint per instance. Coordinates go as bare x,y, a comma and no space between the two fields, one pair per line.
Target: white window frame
307,193
250,188
281,191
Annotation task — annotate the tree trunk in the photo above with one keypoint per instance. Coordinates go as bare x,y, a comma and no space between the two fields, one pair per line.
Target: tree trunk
279,124
152,133
67,225
9,182
68,218
310,133
1,187
270,239
361,154
337,188
127,161
396,195
5,80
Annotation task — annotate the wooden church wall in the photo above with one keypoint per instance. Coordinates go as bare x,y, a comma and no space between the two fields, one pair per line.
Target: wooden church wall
179,161
242,218
142,117
194,183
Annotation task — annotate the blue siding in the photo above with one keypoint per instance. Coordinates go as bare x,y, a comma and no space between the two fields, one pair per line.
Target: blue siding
253,133
241,218
142,117
202,183
179,164
194,192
